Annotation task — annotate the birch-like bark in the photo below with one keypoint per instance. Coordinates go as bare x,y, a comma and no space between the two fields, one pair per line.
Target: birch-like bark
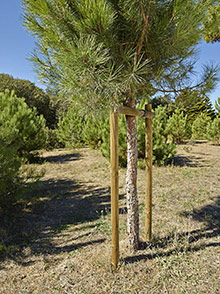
131,181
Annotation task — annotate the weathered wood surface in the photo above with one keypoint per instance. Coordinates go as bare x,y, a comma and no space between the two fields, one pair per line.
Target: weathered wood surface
114,188
148,155
135,112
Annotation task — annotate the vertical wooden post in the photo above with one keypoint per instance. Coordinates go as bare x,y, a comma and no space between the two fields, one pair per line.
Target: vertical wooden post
148,155
114,188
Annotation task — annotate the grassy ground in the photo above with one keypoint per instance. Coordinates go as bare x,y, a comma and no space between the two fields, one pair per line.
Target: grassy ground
61,242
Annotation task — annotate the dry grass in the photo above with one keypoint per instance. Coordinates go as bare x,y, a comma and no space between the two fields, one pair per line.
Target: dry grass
61,243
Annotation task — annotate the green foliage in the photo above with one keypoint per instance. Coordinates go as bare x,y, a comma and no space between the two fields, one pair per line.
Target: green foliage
213,131
52,141
75,130
70,128
20,125
109,49
176,126
217,106
35,97
10,164
199,126
163,151
21,132
212,24
193,103
92,130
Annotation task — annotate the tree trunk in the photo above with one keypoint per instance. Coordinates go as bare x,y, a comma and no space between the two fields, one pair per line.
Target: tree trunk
131,181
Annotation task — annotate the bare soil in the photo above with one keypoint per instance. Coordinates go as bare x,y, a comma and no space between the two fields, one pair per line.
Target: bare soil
61,241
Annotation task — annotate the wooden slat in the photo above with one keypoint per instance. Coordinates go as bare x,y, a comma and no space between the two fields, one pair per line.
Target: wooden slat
114,188
148,200
135,112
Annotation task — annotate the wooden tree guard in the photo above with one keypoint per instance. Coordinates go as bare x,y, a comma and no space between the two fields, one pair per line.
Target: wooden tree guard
148,155
148,115
114,188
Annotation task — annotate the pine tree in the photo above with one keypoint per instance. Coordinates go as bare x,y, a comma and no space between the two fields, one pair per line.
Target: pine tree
217,106
212,23
193,103
110,52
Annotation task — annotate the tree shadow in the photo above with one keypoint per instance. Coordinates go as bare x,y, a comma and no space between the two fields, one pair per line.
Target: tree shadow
209,215
61,158
60,204
190,161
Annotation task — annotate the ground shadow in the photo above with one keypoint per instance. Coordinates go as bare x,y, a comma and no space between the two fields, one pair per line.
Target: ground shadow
60,204
61,158
190,161
209,215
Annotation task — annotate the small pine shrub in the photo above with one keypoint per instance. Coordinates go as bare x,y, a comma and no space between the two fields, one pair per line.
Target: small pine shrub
92,131
177,126
10,164
27,130
199,126
163,151
70,128
21,132
213,131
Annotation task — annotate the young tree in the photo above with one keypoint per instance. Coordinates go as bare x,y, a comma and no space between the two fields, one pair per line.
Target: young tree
109,52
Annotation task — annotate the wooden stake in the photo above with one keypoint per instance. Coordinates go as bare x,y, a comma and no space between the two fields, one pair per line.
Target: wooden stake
148,201
114,188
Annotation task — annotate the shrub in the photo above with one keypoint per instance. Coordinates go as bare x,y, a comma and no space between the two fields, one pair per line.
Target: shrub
92,131
213,131
34,96
199,126
76,130
52,141
70,128
176,126
10,164
21,132
27,130
163,151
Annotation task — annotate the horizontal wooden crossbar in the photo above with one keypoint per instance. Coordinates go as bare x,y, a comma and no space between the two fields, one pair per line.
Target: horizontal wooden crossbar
135,112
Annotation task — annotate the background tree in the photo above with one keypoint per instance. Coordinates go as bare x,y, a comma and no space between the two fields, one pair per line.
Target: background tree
34,97
212,23
193,103
111,52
